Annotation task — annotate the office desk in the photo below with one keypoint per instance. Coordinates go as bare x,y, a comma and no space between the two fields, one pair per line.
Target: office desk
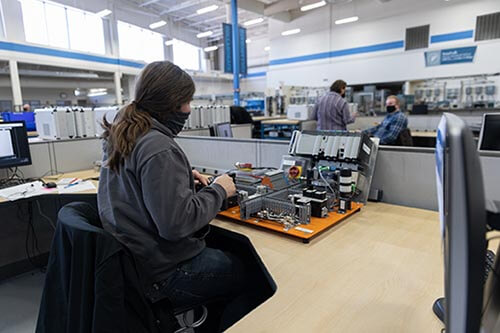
22,220
261,118
283,128
424,138
85,174
424,134
379,272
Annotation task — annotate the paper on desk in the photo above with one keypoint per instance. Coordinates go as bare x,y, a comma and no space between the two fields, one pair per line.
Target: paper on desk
83,186
66,181
23,191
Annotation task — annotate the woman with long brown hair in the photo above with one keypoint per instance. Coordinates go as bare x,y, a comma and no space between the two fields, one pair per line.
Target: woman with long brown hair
147,198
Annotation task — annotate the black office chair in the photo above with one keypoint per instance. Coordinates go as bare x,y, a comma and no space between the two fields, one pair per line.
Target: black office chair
404,138
92,282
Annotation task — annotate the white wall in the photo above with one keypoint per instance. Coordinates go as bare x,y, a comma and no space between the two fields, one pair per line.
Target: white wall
319,35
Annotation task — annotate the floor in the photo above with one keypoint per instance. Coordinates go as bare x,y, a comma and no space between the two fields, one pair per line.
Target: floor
19,301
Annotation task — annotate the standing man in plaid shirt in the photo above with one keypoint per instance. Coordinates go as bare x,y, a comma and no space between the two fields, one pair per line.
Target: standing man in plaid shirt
392,125
332,111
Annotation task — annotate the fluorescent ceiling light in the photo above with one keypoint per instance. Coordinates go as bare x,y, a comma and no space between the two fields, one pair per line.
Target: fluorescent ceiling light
312,6
170,42
248,40
347,20
97,94
204,34
157,25
210,48
267,48
103,13
207,9
254,21
290,32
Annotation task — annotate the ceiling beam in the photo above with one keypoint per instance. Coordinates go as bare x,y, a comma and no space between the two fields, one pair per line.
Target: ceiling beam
207,21
147,3
281,6
260,8
183,5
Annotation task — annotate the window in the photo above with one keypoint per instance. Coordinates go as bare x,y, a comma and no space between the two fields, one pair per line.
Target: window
52,24
137,43
186,56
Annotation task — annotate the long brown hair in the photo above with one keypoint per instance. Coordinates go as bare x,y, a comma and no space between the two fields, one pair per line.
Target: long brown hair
161,88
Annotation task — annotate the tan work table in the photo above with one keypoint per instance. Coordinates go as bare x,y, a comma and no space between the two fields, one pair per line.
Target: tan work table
424,134
378,271
261,118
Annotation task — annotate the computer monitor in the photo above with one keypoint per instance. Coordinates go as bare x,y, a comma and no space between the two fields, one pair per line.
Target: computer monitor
14,146
224,130
463,224
489,138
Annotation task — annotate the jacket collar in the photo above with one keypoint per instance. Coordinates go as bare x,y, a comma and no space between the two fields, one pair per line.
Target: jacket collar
162,128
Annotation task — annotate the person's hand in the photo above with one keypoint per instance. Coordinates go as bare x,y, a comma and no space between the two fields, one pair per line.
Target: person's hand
227,183
199,177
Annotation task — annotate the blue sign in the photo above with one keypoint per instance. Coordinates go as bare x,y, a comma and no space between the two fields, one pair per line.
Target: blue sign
228,48
450,56
243,50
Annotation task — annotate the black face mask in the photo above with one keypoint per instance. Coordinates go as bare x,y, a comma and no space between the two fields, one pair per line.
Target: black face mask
390,108
175,120
342,95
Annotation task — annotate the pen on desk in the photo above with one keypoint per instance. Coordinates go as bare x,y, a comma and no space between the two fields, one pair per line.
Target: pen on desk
71,184
72,181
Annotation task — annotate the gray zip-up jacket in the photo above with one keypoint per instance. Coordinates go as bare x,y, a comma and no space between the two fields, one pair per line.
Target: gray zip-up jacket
152,208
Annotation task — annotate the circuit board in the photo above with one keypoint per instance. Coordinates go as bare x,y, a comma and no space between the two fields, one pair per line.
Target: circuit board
304,232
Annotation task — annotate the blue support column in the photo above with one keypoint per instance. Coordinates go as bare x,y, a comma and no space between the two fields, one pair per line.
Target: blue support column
236,52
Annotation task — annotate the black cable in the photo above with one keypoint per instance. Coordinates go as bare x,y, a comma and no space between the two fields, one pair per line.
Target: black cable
52,224
31,237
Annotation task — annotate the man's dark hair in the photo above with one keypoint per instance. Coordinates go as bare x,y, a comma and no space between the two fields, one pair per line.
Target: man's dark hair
338,85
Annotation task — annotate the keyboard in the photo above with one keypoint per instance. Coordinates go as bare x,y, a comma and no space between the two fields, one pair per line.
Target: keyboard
6,184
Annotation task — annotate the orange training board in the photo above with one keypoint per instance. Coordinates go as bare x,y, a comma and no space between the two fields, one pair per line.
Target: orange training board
317,225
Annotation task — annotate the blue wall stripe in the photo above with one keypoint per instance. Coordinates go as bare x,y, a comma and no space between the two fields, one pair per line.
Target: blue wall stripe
255,74
66,54
452,36
339,53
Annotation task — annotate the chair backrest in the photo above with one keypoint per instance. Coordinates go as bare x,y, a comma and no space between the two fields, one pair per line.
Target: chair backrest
92,283
404,138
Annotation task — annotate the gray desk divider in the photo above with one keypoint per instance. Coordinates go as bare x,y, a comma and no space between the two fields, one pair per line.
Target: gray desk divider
41,159
74,155
405,174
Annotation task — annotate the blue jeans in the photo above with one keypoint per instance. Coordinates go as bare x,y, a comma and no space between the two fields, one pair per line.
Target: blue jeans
214,278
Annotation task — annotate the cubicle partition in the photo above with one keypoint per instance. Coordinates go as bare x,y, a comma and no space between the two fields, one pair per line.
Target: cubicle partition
405,174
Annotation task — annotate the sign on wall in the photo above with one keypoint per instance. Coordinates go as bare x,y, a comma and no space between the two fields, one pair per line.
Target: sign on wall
228,48
450,56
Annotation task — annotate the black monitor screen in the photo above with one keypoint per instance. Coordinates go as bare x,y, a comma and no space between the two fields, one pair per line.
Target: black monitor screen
14,147
224,130
490,132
